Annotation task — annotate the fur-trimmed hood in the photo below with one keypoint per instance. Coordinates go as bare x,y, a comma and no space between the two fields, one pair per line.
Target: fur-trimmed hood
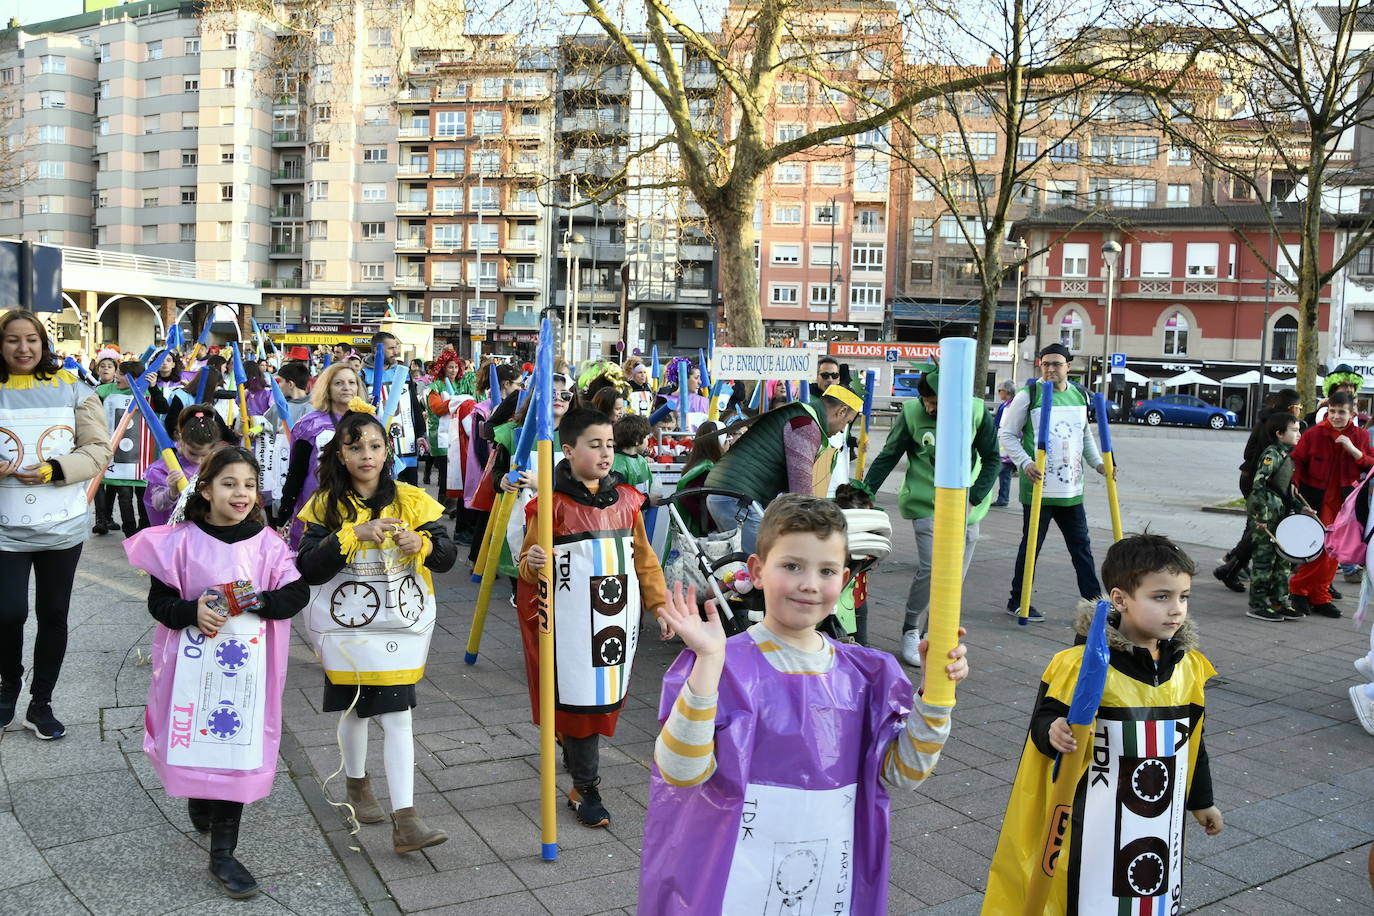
1185,640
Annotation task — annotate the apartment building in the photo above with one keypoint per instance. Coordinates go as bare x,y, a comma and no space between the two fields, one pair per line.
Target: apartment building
826,220
473,239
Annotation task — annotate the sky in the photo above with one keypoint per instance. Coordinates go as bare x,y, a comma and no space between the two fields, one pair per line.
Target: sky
37,10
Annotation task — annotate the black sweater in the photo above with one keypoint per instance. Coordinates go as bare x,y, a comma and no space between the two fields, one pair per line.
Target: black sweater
176,613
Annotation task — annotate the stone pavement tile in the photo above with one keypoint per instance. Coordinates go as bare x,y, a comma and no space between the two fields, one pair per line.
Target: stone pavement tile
1255,862
924,882
473,798
1338,891
463,849
266,843
1262,818
74,808
261,905
151,870
591,895
1359,816
967,905
924,819
950,858
521,903
456,886
976,836
321,889
22,862
483,773
1355,861
48,897
375,840
1203,885
1320,837
1197,842
603,858
1321,798
505,829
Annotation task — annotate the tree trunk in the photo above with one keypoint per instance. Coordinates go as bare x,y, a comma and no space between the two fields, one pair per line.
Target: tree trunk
1309,303
991,287
733,226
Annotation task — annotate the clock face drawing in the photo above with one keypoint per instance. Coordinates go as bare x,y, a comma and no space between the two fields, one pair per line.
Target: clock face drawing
56,441
11,448
354,604
410,600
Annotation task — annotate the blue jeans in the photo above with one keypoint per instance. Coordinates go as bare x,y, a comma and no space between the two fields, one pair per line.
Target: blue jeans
723,510
1073,524
1004,482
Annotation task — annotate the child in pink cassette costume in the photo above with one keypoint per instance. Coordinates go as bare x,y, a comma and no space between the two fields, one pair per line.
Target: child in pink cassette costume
223,588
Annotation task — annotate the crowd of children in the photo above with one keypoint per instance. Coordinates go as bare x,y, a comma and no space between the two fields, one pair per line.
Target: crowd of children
798,736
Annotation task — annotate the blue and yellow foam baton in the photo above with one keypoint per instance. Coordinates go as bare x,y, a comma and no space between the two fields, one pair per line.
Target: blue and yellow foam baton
1042,440
870,382
543,408
159,432
1104,436
241,383
953,470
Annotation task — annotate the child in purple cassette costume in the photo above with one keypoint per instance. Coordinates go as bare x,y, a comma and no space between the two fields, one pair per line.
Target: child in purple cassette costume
223,588
199,432
769,786
334,389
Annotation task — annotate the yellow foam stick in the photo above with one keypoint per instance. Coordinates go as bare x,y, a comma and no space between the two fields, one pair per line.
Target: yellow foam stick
946,590
1037,498
480,563
496,525
548,807
1110,467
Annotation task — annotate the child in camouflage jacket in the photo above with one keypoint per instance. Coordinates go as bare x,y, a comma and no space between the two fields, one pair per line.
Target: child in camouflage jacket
1272,497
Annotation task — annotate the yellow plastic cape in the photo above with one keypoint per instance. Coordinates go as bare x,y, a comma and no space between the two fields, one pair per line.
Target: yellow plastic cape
1118,848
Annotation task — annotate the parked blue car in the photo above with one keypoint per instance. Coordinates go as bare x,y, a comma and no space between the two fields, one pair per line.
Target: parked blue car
904,385
1182,408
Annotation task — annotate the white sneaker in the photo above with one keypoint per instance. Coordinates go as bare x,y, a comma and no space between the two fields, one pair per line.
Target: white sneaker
1364,707
1362,665
911,651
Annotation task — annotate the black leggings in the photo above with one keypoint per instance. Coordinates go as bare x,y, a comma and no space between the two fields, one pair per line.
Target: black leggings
54,571
133,515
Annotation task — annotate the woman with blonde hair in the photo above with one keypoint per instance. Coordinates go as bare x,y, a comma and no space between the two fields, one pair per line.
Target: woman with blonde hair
334,389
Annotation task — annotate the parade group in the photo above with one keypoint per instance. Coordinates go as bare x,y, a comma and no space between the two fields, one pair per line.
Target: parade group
258,483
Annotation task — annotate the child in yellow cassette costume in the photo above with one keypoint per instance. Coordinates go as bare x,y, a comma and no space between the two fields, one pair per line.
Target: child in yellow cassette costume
1116,846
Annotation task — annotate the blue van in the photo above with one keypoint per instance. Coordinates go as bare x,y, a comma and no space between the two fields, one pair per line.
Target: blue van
904,384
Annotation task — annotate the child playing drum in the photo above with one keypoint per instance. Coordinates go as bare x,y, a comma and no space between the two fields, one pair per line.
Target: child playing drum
1272,497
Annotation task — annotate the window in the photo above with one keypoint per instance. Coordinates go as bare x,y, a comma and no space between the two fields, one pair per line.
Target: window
1075,256
1122,192
788,173
188,195
826,173
378,78
819,295
446,199
1364,262
190,84
825,255
1179,195
865,297
1061,192
150,160
922,272
486,161
1064,109
189,157
922,230
486,123
54,98
786,214
1285,340
982,144
867,256
324,73
188,232
786,254
959,270
975,106
869,220
1157,259
105,53
493,87
950,228
1202,259
448,235
152,124
374,154
1176,335
321,114
152,87
150,235
825,214
231,40
373,231
51,63
525,199
191,47
1064,151
226,193
448,161
379,38
319,152
47,169
1071,331
374,272
968,189
787,132
784,293
488,275
154,50
102,89
1027,148
483,198
374,192
1180,155
1124,150
325,36
870,176
52,133
1241,188
450,123
226,154
318,190
316,269
792,93
317,229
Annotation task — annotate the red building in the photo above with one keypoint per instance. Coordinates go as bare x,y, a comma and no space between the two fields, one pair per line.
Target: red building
1191,288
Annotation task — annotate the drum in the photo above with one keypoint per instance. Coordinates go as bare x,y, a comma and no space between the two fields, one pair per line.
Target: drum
1300,538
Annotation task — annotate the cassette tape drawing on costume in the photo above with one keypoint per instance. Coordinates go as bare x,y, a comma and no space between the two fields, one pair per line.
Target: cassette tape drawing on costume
217,692
28,438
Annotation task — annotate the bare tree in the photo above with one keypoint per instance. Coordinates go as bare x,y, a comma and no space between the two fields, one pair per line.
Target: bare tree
1300,91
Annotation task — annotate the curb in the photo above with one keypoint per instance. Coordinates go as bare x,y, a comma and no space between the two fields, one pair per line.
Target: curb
1223,510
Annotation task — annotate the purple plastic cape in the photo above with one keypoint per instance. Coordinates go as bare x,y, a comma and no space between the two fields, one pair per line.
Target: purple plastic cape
308,429
748,839
190,561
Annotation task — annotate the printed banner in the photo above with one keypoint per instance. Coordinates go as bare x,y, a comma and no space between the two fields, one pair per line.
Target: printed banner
272,449
763,363
218,697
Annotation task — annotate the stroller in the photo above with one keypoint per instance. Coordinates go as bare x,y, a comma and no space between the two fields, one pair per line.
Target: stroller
712,561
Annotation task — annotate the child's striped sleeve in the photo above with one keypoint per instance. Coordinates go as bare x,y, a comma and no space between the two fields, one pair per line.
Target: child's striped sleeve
686,747
912,756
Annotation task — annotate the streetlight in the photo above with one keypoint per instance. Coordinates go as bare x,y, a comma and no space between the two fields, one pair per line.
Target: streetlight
1111,251
1020,248
834,279
1274,214
570,239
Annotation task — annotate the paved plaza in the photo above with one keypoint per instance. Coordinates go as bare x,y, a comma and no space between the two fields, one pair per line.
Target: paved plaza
85,827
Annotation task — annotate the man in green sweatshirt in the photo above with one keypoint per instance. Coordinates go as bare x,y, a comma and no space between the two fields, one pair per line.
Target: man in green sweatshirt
913,435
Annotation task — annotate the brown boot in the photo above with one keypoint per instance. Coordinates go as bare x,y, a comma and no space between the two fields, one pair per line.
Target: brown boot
409,833
365,806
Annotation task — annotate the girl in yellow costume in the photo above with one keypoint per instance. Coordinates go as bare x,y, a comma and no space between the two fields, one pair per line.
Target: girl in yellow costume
1115,846
369,546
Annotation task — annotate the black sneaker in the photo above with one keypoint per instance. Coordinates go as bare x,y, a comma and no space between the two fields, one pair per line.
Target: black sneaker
1326,609
9,699
1228,578
1335,595
40,720
1289,613
586,804
1300,604
1033,615
1265,613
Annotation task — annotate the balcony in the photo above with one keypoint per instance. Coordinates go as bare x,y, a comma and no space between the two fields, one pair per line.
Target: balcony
287,249
599,122
293,176
601,166
414,133
695,252
700,79
281,283
525,131
412,170
288,137
292,212
412,206
694,292
411,243
514,284
521,245
416,94
408,281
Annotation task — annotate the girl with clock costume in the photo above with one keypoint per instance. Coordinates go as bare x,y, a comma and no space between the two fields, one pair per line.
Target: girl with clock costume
223,588
52,436
369,547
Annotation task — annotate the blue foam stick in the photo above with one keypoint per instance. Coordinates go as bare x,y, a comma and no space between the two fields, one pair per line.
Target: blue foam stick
791,392
157,357
1104,433
653,368
328,358
758,395
393,397
1092,675
870,382
204,339
524,443
201,382
1042,435
176,338
543,371
804,391
378,367
493,387
954,420
146,353
71,365
705,372
150,420
279,401
240,374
